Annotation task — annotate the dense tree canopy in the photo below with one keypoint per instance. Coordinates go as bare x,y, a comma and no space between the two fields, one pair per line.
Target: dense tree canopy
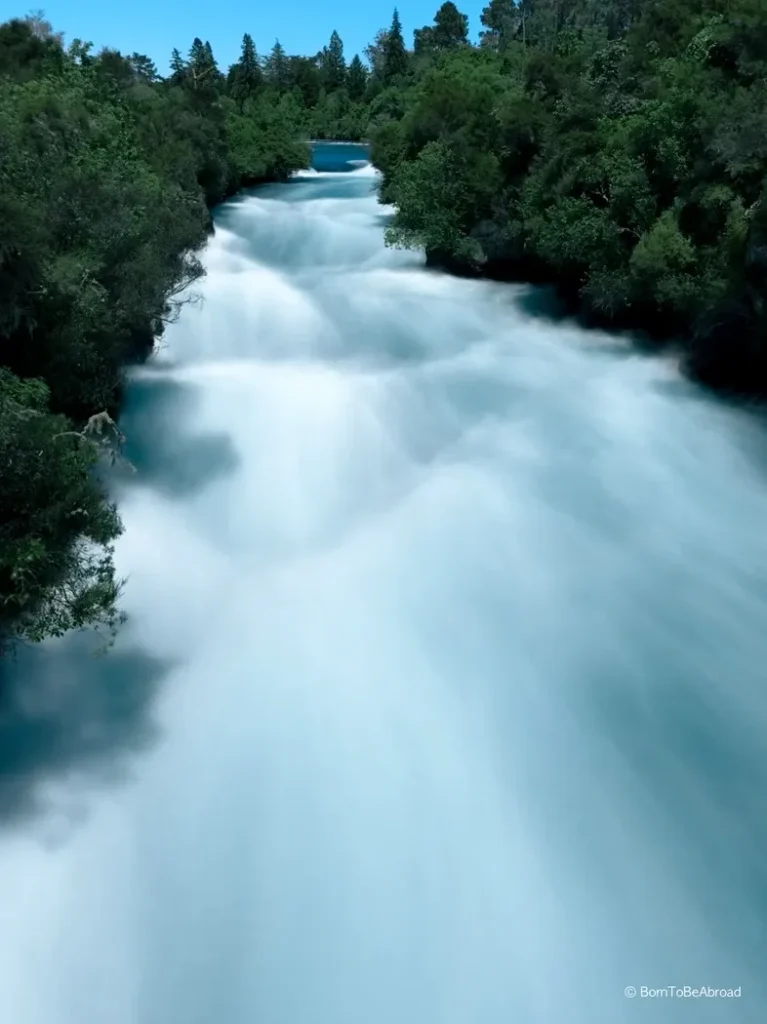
615,148
450,30
106,173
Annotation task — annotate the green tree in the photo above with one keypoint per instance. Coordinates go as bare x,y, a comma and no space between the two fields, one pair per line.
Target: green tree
264,139
451,28
202,73
304,74
245,77
395,60
332,64
278,68
501,19
178,67
56,524
144,68
197,61
376,54
423,40
356,79
431,204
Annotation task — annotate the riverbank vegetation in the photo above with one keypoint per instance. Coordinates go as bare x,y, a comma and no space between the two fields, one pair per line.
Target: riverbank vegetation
107,172
617,148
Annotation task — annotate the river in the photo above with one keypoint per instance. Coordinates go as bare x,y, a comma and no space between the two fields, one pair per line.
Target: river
443,694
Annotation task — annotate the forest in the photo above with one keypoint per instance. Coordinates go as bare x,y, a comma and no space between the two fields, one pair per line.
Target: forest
616,149
107,175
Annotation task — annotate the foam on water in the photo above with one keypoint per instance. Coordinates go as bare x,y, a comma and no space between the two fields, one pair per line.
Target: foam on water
463,621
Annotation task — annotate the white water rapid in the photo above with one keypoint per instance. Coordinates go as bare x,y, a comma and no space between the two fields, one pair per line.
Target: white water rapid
443,694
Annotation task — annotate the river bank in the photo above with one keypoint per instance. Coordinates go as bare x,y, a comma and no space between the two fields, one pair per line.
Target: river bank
727,357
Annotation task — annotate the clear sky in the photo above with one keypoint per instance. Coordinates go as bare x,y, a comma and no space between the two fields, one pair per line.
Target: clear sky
154,27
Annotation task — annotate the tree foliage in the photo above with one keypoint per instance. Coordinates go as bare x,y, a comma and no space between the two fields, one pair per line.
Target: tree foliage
245,76
333,64
395,58
615,148
449,31
356,80
106,173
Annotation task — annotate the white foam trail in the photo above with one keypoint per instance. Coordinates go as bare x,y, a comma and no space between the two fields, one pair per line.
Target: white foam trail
367,170
362,169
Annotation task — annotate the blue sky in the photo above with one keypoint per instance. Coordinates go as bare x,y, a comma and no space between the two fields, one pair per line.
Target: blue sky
154,27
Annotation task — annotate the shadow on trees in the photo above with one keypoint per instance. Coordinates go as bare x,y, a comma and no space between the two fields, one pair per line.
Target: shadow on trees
67,714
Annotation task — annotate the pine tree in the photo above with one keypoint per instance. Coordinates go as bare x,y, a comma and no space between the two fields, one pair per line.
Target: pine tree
249,59
178,68
245,77
198,64
332,64
143,67
501,19
202,68
395,54
449,31
356,79
376,53
451,28
197,57
278,67
423,40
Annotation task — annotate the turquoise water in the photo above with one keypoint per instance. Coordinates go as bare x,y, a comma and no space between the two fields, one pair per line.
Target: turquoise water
338,156
442,698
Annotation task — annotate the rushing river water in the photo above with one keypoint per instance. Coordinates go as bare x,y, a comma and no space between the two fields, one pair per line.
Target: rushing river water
443,697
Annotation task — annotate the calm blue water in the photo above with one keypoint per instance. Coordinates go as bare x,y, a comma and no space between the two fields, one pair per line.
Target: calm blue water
338,156
443,696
